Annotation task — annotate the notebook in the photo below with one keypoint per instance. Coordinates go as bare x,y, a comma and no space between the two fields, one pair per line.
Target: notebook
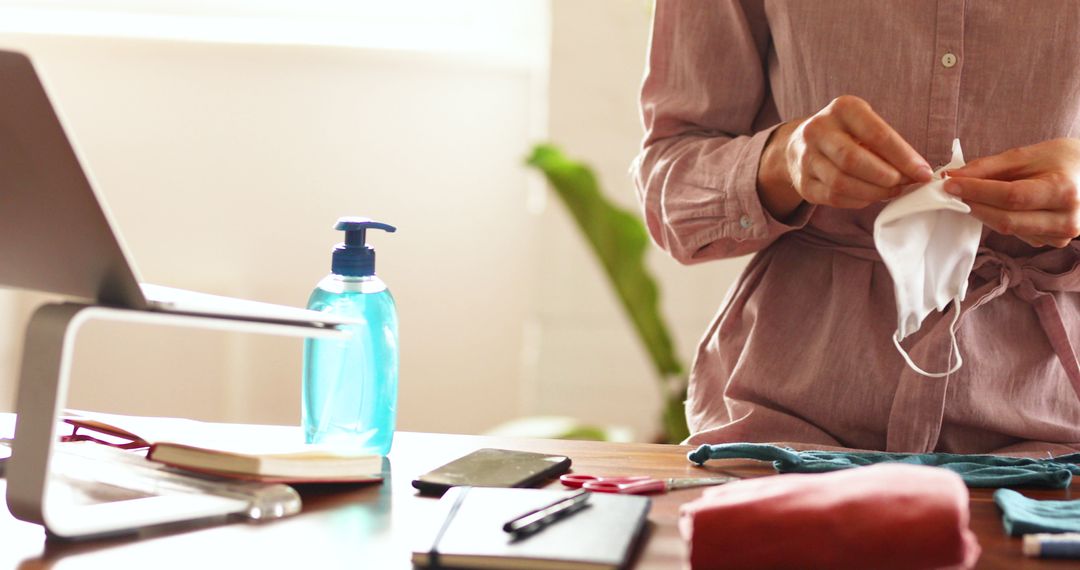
270,466
468,531
56,234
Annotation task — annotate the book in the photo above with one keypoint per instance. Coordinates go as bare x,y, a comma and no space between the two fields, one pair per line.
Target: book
264,453
468,532
270,466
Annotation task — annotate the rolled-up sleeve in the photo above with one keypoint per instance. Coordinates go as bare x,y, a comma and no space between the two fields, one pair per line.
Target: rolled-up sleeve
708,114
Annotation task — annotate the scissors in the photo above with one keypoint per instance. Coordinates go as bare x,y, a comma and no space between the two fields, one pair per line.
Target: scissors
637,484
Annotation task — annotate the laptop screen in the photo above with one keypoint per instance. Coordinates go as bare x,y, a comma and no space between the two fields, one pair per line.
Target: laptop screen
55,235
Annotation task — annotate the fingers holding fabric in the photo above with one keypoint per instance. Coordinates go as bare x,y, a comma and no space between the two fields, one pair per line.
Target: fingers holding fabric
871,130
820,192
839,187
850,157
1004,166
1056,155
1031,192
1027,194
1036,227
846,156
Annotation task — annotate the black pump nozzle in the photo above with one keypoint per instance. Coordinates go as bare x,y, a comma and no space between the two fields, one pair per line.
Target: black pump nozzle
354,257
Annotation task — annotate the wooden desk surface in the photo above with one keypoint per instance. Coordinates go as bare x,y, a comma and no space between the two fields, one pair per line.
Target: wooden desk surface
372,526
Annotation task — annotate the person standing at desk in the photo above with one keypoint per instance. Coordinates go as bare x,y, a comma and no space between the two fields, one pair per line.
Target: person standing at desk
780,129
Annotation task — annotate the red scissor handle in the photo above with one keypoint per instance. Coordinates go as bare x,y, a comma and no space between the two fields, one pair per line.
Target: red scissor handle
578,480
639,487
628,485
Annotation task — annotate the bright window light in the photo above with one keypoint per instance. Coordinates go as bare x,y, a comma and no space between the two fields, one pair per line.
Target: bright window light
509,30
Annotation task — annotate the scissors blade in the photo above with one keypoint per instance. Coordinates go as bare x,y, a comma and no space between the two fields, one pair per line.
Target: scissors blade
688,483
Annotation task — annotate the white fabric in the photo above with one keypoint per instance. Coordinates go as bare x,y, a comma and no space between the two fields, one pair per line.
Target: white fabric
928,240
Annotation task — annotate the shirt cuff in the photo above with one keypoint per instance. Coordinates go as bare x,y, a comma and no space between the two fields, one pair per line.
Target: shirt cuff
747,218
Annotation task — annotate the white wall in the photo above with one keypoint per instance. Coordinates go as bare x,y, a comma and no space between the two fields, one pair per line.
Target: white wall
10,344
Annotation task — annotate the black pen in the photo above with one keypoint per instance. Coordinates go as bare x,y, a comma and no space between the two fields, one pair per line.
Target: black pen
547,514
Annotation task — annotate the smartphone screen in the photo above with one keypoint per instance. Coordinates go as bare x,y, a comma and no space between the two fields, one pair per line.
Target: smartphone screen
493,468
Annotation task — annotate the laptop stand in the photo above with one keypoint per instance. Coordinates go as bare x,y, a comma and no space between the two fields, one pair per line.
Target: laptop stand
42,396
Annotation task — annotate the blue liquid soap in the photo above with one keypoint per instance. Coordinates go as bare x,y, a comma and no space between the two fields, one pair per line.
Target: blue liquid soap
350,385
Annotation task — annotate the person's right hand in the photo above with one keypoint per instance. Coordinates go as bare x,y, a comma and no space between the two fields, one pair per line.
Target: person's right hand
844,156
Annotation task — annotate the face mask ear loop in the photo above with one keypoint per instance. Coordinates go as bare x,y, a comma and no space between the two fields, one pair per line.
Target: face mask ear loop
955,348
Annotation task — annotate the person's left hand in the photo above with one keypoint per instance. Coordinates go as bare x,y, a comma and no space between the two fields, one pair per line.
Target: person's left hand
1032,192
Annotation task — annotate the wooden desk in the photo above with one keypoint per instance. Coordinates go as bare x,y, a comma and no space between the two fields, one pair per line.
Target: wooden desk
372,526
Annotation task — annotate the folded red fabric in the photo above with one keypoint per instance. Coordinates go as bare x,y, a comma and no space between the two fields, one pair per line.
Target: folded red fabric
881,516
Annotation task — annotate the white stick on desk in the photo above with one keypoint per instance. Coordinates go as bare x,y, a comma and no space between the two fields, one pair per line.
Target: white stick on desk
42,396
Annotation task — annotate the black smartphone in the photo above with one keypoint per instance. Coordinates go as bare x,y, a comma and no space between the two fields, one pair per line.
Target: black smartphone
492,468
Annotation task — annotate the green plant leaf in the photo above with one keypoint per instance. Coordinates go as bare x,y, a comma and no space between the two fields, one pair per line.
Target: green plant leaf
619,240
674,416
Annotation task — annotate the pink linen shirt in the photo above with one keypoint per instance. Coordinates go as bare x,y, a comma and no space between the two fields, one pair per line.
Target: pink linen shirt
801,348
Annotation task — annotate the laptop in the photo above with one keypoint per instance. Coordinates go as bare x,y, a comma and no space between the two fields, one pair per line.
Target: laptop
56,234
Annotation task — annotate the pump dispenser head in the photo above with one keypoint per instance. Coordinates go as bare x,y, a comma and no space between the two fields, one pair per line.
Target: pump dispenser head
353,257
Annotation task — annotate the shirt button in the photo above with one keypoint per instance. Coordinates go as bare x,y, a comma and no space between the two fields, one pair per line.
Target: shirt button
745,222
948,60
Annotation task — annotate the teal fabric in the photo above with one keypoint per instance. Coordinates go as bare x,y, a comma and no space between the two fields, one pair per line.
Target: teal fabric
976,470
1028,516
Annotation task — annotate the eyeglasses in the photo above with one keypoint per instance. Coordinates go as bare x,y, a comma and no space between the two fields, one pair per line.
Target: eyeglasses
121,439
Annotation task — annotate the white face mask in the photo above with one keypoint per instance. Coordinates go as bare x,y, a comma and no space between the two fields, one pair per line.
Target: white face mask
928,241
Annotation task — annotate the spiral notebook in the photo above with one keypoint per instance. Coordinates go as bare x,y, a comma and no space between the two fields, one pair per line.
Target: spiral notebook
468,531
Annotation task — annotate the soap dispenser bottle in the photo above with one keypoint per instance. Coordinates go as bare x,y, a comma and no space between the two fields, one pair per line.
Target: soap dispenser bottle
350,385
